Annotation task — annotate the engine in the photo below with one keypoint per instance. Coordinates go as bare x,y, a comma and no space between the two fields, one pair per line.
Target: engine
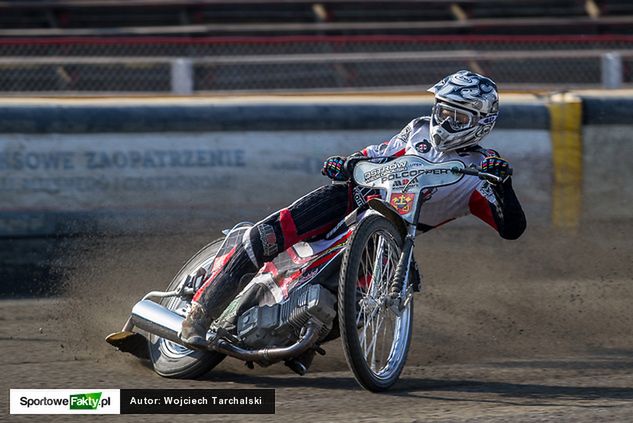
281,324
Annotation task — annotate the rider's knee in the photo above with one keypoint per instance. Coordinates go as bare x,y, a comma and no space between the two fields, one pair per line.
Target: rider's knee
263,242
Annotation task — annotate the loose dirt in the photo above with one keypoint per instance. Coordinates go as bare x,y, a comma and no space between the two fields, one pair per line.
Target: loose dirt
531,330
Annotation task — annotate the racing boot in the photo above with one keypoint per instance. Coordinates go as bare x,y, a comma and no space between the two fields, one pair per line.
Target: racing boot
217,292
193,333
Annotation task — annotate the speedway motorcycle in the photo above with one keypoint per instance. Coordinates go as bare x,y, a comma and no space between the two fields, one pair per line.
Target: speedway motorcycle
357,282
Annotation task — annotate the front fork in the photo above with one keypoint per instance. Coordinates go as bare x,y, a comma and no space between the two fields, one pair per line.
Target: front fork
401,290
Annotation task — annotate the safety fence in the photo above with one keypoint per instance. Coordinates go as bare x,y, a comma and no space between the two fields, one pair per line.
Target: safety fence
183,66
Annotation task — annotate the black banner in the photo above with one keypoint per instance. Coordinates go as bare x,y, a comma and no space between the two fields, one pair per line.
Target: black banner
197,401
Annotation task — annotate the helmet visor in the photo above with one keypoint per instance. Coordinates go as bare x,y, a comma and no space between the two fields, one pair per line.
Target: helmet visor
458,119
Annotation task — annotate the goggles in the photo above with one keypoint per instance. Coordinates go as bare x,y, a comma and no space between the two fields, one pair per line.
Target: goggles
459,119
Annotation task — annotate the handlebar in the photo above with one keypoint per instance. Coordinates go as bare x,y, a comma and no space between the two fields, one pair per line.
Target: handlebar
482,175
351,162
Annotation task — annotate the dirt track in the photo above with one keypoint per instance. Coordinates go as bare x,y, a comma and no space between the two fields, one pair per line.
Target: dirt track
532,330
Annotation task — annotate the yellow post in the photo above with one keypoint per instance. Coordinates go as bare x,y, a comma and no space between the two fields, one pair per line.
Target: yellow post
566,133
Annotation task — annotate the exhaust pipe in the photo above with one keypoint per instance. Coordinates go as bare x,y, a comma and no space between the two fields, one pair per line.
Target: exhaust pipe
157,320
270,355
160,321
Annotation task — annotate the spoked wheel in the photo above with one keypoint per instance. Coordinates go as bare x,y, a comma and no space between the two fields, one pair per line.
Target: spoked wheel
375,333
173,360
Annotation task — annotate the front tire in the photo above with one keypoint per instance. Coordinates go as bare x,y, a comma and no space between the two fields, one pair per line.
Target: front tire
367,270
173,360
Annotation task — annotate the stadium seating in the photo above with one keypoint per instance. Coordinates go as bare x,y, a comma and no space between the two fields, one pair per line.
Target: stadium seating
241,17
184,47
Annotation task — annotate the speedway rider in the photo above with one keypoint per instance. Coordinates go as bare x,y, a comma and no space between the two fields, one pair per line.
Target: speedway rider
465,111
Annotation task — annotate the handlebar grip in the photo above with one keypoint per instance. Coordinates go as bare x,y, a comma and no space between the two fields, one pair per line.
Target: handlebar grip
466,171
350,163
476,172
473,171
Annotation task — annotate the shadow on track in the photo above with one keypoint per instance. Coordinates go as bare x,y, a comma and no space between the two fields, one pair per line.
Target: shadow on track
515,393
330,382
516,390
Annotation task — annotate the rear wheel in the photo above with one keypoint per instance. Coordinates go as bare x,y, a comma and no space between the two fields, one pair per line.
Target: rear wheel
375,337
173,360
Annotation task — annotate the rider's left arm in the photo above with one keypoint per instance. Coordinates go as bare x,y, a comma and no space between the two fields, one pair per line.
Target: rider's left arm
498,206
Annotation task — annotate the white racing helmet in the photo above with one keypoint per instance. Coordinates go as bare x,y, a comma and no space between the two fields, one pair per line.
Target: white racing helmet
465,110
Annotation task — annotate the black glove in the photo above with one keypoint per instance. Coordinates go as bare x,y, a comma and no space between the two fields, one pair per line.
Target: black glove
496,166
334,168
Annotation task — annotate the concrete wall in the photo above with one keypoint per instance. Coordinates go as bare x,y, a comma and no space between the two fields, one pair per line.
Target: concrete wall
100,165
185,166
65,183
68,168
607,159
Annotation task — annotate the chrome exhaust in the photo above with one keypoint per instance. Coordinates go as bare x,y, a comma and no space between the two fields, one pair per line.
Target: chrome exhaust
160,321
157,320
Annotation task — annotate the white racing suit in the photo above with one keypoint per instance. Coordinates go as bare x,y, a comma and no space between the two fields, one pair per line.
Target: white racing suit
317,212
498,206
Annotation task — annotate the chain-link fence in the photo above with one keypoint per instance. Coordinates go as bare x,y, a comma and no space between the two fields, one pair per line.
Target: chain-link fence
206,65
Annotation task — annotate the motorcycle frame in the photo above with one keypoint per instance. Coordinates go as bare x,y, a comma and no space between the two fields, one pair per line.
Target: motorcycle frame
147,315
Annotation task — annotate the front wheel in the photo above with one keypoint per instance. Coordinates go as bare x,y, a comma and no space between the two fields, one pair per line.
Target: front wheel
375,335
174,360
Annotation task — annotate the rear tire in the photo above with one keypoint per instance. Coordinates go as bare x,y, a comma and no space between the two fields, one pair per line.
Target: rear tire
173,360
362,308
